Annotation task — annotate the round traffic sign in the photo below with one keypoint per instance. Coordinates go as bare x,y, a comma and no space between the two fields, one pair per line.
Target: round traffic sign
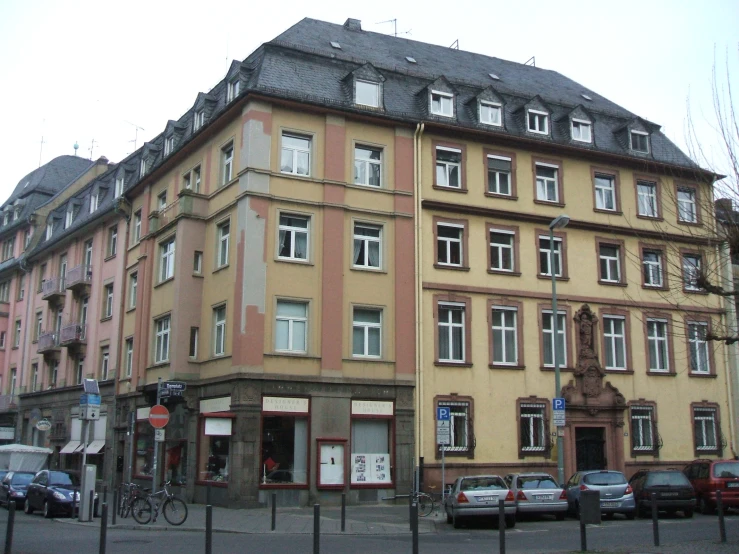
159,416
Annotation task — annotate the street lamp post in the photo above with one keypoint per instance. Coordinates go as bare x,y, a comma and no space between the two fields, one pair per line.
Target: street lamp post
558,223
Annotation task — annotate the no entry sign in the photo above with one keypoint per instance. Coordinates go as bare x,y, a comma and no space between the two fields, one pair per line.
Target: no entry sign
159,416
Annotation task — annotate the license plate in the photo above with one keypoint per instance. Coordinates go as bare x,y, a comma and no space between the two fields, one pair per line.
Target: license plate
486,498
609,504
542,497
670,494
734,485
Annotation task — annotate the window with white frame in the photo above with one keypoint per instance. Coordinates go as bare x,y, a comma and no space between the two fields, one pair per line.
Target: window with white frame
197,262
191,179
367,333
610,263
294,231
691,271
582,130
137,227
295,158
547,187
491,113
161,339
448,167
194,337
449,244
451,332
49,229
233,90
639,141
442,103
8,248
367,166
499,175
104,363
505,335
108,308
705,428
21,286
93,202
2,339
133,289
367,246
79,370
69,217
699,355
538,122
17,337
291,326
129,357
657,345
646,193
27,234
162,200
460,425
198,120
224,230
545,256
653,271
34,377
686,205
533,432
547,322
118,186
501,250
227,162
142,167
53,372
13,381
166,259
367,93
605,192
112,241
5,291
168,146
614,339
219,331
642,428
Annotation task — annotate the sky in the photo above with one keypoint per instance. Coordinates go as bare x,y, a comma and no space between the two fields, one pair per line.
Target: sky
109,75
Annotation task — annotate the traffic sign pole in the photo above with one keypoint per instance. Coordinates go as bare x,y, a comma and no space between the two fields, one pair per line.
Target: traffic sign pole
154,465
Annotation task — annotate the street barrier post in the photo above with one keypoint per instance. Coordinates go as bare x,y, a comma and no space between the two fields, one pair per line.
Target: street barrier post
721,522
9,531
115,504
316,528
274,511
655,519
92,505
414,526
208,529
501,525
104,528
343,512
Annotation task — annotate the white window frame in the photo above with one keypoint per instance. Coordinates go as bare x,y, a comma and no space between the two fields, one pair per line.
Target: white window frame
490,109
558,259
449,242
80,371
197,263
704,416
223,248
68,217
193,345
445,103
610,264
104,363
34,377
162,200
94,202
109,291
657,338
494,184
582,130
447,327
294,231
646,192
691,271
458,412
506,333
536,418
133,286
642,428
129,357
376,86
367,163
291,320
118,187
219,330
548,336
162,327
142,167
538,118
631,141
112,241
543,183
614,341
198,120
233,90
168,145
605,191
227,162
137,218
17,337
500,248
49,229
366,327
687,207
447,167
652,270
698,348
368,240
295,150
166,259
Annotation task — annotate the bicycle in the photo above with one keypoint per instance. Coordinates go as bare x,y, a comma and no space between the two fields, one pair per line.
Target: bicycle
425,502
129,491
173,508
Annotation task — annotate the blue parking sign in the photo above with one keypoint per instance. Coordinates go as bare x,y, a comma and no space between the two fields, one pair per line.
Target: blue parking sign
443,414
558,404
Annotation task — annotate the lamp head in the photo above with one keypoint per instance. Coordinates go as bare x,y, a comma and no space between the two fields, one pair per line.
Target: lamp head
559,222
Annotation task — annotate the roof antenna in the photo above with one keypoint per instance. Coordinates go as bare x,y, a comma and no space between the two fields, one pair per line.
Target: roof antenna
532,59
92,147
136,136
455,44
41,146
395,27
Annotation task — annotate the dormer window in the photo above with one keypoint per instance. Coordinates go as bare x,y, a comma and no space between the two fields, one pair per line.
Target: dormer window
6,218
168,146
582,130
118,186
639,141
93,202
16,214
69,216
538,122
367,93
442,103
142,168
233,90
49,229
198,120
491,113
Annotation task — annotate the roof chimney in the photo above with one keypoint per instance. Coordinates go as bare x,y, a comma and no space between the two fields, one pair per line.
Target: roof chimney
353,24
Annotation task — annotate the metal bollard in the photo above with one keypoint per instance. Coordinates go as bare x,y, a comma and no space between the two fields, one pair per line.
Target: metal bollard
343,512
414,526
207,495
92,505
583,537
316,528
274,511
655,519
9,532
103,528
410,511
105,494
208,529
115,504
721,522
501,525
74,502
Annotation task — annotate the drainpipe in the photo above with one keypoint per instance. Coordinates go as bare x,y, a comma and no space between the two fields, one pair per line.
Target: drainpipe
417,188
731,359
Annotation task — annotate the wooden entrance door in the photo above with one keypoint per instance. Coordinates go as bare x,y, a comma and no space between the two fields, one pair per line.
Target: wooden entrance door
590,448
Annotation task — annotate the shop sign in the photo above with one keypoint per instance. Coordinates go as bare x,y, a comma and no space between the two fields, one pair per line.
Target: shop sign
212,405
43,424
216,426
284,404
7,433
142,413
372,407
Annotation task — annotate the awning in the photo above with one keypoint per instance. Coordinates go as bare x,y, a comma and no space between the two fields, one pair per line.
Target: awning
70,447
95,447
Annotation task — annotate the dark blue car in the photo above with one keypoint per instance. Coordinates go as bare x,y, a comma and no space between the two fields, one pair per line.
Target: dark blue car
54,492
13,487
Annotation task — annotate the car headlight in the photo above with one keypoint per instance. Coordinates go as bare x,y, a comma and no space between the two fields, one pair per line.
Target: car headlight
59,496
16,493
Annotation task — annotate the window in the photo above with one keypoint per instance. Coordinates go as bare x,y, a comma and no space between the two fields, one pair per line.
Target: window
129,357
653,268
367,333
642,428
505,335
162,200
49,229
657,345
691,271
219,331
295,155
5,291
142,167
233,90
449,244
614,339
161,342
112,241
699,355
198,120
166,260
108,301
17,336
119,180
8,247
291,327
548,338
367,166
41,277
582,130
137,227
646,195
293,237
538,122
93,202
499,175
87,259
367,93
460,424
610,263
639,141
133,286
491,113
104,363
53,372
545,256
442,103
448,167
223,231
605,192
547,186
371,440
193,351
705,429
2,339
68,217
83,310
21,286
227,162
13,381
27,234
34,377
39,326
168,145
191,179
451,332
686,205
367,246
284,442
533,431
197,262
501,250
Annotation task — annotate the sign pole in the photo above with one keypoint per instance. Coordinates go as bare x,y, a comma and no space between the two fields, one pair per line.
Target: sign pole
131,430
155,480
443,474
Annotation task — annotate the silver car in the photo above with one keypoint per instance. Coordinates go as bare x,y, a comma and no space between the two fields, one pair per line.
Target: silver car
616,495
478,495
537,493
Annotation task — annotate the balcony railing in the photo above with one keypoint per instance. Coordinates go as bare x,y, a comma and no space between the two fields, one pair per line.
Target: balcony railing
72,334
79,277
53,288
48,342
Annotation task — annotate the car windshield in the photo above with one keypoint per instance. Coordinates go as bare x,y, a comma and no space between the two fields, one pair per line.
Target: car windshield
477,483
604,479
666,479
59,478
536,482
726,469
21,479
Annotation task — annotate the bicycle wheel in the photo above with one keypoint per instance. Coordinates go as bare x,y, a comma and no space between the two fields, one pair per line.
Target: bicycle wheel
141,510
124,506
425,505
175,511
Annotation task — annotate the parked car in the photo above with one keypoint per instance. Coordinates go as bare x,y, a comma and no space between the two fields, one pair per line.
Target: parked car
478,495
709,476
537,493
674,491
55,492
616,495
13,487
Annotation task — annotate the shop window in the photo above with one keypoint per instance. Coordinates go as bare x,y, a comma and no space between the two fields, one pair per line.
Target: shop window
284,450
370,459
215,446
144,449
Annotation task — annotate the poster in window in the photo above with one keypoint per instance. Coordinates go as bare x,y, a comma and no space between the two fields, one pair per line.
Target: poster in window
332,464
370,469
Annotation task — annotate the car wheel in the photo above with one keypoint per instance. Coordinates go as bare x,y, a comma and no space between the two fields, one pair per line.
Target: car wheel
577,510
630,515
47,510
705,507
608,515
510,522
457,522
560,516
688,513
643,512
27,508
449,518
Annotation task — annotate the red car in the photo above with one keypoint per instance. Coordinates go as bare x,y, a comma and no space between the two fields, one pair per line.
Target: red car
709,476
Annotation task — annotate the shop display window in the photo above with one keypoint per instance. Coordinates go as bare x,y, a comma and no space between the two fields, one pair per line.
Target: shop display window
370,456
215,449
284,450
144,453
